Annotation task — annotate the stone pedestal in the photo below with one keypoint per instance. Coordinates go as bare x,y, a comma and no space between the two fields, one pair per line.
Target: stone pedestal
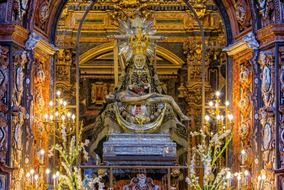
139,149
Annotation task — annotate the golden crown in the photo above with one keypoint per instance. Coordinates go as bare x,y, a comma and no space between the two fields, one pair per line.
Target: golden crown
139,42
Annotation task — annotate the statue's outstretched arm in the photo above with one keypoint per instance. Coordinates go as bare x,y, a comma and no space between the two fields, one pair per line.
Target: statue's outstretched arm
134,99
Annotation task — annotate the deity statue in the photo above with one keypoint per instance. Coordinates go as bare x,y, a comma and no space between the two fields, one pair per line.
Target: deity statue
139,92
138,105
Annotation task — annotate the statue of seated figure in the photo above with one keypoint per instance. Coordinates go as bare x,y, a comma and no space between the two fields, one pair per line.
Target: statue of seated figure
138,91
138,104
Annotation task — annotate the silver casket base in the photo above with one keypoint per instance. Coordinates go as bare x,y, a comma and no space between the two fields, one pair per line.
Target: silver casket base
139,149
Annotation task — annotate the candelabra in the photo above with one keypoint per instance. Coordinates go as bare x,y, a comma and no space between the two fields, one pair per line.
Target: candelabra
219,117
39,177
243,178
59,116
57,120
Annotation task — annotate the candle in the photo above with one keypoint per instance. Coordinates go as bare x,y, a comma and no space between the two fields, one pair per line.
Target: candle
246,177
239,180
32,171
58,93
61,102
207,118
36,180
63,118
68,114
46,117
227,103
243,156
54,181
73,117
28,175
47,172
57,174
229,178
41,156
51,103
218,93
263,177
258,182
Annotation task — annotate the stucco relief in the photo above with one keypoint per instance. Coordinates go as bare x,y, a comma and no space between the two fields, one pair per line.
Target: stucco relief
40,77
42,14
39,103
3,102
281,106
267,115
244,104
20,60
267,84
266,9
243,15
19,10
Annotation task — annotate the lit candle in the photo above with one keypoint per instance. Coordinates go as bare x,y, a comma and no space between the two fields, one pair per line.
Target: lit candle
218,93
207,118
243,156
56,114
28,175
259,182
239,177
36,180
211,104
227,103
63,118
41,156
58,93
246,173
218,117
263,178
60,101
46,117
229,178
57,174
216,105
230,117
54,181
73,117
32,171
47,172
68,114
50,103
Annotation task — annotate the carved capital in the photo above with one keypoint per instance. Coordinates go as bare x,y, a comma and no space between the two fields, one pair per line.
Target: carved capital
248,42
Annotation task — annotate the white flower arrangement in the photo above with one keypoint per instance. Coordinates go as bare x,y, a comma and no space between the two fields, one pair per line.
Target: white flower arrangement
70,177
209,152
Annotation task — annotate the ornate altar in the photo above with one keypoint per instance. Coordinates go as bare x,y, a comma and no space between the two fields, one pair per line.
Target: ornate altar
138,120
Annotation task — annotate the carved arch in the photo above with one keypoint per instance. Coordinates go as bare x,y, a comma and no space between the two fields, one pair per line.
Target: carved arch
225,7
107,47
